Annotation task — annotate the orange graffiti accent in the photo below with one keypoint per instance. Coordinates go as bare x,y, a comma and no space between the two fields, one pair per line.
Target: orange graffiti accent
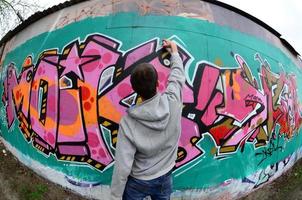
107,110
22,93
227,77
89,109
50,122
235,85
51,52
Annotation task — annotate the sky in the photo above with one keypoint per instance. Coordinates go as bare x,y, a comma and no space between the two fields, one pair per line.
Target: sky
281,15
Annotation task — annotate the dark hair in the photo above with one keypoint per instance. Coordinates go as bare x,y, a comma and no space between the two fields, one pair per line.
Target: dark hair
144,80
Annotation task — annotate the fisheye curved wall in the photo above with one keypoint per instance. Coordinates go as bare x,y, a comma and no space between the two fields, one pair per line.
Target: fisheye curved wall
65,86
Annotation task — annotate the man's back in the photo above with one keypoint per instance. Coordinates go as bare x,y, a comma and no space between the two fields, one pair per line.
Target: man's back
148,135
155,135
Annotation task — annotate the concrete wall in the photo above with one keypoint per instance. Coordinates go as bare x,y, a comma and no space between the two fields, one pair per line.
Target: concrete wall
65,87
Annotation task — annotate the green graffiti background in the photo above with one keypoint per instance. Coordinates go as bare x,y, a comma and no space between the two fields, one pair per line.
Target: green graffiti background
205,41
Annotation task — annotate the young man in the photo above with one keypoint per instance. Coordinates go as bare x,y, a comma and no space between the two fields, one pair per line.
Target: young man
148,136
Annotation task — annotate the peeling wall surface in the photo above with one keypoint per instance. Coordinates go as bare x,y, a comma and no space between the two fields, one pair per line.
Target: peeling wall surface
65,86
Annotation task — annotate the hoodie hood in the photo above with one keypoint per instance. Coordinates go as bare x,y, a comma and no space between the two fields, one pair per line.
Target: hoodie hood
152,113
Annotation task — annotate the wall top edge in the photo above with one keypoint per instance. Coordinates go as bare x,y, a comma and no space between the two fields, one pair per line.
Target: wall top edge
38,15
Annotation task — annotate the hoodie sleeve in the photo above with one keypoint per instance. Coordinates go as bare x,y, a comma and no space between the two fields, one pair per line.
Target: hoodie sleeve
124,156
176,78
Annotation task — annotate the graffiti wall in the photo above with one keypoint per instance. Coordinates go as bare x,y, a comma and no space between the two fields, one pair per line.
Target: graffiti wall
65,91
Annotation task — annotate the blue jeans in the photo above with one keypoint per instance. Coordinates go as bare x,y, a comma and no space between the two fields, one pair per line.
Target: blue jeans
159,188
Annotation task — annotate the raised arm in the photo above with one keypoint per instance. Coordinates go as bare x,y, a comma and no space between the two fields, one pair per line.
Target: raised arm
176,78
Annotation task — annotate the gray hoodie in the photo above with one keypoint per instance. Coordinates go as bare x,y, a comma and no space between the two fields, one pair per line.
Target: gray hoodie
148,136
